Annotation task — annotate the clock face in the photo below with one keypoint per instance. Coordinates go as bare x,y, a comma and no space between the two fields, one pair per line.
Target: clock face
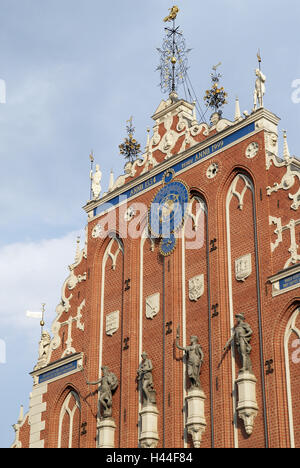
167,245
252,150
168,209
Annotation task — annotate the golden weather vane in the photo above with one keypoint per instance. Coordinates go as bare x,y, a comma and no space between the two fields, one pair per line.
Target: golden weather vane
173,14
173,56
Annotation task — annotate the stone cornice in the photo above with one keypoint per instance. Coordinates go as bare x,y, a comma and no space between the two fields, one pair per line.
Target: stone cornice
258,115
57,364
172,108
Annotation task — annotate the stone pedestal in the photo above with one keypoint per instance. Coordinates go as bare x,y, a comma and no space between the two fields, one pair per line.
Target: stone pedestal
247,407
106,433
149,433
196,422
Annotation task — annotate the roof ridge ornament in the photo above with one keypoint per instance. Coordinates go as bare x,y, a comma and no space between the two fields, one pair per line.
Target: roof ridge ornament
130,149
173,57
215,97
260,87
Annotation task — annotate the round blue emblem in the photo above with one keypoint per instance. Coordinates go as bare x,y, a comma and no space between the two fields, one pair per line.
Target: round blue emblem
168,209
167,245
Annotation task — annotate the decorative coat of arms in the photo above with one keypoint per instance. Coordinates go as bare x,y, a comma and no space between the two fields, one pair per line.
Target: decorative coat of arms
196,287
112,322
243,267
152,305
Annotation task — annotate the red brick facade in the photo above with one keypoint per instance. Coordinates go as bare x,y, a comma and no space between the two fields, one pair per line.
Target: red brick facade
232,214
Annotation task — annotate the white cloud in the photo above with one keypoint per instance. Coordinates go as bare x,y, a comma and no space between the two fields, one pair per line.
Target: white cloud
33,273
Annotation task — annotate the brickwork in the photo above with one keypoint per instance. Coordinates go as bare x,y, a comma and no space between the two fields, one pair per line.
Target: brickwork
120,275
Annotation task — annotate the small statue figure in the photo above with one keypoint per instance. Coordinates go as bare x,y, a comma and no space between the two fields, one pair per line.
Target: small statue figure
144,375
241,337
260,89
108,383
44,349
215,118
96,182
195,358
173,14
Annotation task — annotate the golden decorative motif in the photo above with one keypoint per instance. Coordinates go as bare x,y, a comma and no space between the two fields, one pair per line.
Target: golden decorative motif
173,13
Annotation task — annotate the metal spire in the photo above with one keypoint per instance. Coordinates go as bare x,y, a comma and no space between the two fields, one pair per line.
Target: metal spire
130,149
215,97
173,56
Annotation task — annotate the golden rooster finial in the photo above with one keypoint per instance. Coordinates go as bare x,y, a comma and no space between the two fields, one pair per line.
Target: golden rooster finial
173,13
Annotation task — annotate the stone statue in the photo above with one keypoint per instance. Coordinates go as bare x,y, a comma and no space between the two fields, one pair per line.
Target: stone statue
144,376
260,89
108,383
215,118
44,349
195,358
241,337
96,182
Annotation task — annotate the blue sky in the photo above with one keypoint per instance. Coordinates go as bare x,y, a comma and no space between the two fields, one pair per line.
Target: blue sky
75,71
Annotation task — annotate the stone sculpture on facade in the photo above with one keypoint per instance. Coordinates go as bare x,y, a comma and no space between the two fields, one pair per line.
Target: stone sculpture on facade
106,426
108,383
144,376
149,413
260,89
247,407
195,357
196,422
96,182
241,337
44,350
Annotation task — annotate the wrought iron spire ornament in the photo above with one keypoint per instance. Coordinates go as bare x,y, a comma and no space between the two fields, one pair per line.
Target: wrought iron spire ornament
130,149
216,96
173,56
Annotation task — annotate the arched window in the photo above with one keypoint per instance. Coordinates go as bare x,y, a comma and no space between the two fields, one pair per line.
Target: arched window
292,362
69,422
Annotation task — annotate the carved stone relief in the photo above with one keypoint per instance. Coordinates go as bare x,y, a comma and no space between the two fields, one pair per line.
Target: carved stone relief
252,150
243,267
196,287
152,305
212,170
112,323
96,232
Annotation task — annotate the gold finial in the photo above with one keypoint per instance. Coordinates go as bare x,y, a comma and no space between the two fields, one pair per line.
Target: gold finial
42,323
173,14
92,156
258,56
